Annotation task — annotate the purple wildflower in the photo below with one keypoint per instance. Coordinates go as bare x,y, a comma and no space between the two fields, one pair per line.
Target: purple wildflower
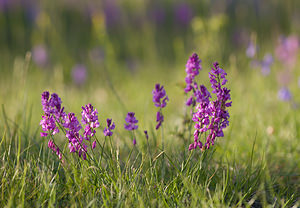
76,143
183,14
110,126
201,95
251,50
48,125
212,116
90,118
266,64
287,50
192,70
52,106
40,56
284,94
130,122
53,112
159,98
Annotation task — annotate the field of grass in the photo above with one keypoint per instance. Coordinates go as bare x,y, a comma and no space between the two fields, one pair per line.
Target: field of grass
255,164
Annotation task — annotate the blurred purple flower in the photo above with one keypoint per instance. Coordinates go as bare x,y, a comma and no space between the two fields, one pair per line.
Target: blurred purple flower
287,49
40,56
183,14
251,50
266,64
79,74
130,122
110,126
112,14
284,94
134,141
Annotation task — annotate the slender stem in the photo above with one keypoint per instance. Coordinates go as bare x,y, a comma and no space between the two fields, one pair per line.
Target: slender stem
150,157
163,156
111,147
102,151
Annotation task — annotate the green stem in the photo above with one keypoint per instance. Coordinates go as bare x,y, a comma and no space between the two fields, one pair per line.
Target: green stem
102,151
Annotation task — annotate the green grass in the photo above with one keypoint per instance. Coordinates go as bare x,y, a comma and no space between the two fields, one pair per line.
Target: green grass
249,167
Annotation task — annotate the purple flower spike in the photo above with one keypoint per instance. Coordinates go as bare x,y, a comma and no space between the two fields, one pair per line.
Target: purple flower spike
192,69
159,96
90,118
211,116
110,126
130,122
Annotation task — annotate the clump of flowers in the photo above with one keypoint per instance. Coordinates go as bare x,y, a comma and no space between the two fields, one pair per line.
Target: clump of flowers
211,116
160,99
54,117
131,124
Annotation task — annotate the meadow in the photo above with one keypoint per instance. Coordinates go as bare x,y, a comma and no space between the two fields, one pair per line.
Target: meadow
111,54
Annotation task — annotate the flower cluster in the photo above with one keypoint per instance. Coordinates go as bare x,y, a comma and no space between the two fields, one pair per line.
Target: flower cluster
212,116
160,99
55,116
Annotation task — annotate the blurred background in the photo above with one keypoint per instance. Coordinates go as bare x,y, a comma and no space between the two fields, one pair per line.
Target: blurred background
112,52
